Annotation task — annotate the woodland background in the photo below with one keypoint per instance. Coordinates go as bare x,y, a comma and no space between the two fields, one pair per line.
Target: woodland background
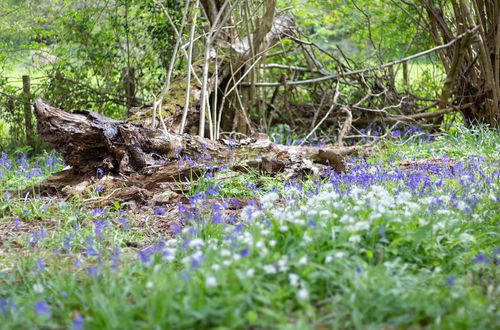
297,78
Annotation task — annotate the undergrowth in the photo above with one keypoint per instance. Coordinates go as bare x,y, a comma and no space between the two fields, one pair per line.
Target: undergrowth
405,238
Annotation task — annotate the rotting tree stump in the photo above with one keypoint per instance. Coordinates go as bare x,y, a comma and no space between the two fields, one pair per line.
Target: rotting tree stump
140,162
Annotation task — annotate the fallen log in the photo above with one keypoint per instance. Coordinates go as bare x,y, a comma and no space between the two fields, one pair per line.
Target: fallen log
145,159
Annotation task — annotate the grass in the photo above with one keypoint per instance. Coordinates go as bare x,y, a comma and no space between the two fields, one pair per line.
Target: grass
381,246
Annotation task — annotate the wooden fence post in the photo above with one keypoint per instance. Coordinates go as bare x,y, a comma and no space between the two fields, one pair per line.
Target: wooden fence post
129,85
28,123
405,76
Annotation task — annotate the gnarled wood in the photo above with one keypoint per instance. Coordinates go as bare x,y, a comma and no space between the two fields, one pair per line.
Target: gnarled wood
143,158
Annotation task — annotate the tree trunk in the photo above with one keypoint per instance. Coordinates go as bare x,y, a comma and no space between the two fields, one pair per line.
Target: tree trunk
472,67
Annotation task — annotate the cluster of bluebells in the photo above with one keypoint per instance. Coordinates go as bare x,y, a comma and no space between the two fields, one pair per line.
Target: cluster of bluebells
346,211
19,165
334,220
406,132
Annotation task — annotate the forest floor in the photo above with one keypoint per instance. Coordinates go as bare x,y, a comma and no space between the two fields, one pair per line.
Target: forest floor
407,237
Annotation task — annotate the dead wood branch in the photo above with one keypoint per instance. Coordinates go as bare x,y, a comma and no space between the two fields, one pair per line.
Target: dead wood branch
147,158
365,70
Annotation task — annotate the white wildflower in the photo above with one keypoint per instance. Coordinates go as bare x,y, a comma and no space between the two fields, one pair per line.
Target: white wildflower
282,264
462,206
273,242
303,294
270,269
328,259
439,225
464,237
361,225
250,272
197,242
355,239
294,279
269,198
283,228
215,267
172,242
324,213
306,238
422,222
225,253
38,288
340,254
210,281
149,285
303,260
299,222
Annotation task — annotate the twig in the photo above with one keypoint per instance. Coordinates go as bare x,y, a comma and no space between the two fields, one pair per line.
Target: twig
346,128
334,103
369,69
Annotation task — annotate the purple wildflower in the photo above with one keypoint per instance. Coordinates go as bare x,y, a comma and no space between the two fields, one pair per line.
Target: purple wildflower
450,280
93,270
159,210
381,231
123,221
6,305
244,252
41,307
175,228
77,322
143,256
100,187
478,258
40,264
77,262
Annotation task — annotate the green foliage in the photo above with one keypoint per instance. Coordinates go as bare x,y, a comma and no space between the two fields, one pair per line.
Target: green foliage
93,42
362,249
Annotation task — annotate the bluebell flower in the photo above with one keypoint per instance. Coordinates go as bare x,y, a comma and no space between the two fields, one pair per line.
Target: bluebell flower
358,270
78,322
41,307
217,218
450,280
143,256
77,262
124,222
93,270
478,258
495,257
40,264
159,210
100,187
6,305
175,228
184,276
381,231
244,252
